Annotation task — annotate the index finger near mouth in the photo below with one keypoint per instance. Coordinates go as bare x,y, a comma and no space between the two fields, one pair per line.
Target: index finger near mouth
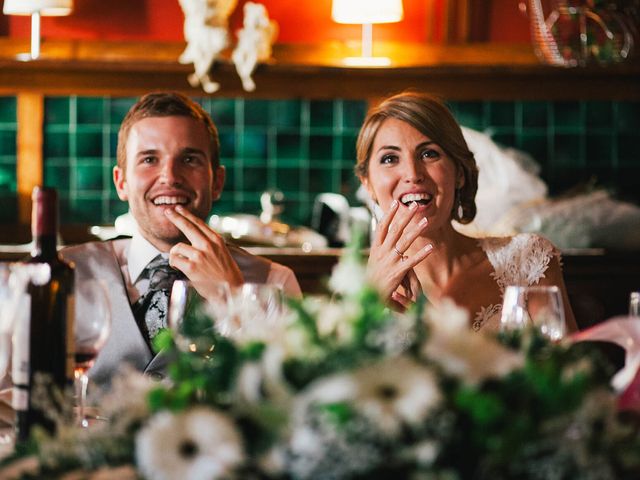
190,229
383,226
402,219
204,228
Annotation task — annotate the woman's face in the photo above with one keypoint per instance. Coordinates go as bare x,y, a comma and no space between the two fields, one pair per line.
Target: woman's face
407,166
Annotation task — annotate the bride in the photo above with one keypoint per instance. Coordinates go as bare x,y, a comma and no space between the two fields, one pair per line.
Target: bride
415,164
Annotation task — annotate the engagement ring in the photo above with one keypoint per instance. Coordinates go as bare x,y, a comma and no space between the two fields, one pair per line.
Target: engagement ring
401,255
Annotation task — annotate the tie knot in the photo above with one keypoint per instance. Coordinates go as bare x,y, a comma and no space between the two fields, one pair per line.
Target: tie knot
160,274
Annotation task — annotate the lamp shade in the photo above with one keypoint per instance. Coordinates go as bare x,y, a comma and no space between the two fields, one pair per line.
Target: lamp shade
367,11
51,8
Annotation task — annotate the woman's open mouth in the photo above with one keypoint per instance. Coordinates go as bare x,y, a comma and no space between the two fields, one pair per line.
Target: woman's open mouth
422,199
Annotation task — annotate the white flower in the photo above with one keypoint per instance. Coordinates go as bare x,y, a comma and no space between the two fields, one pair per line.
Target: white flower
348,276
391,393
262,378
471,356
249,382
396,391
336,318
423,453
274,461
396,335
197,444
126,401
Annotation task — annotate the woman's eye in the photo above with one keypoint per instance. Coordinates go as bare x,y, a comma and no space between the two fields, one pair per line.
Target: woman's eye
430,153
388,159
148,159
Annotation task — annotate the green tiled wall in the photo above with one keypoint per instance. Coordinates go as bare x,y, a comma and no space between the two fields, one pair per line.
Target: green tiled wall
300,147
305,147
575,143
8,129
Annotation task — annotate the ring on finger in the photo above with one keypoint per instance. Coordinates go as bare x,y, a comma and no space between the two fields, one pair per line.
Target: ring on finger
399,253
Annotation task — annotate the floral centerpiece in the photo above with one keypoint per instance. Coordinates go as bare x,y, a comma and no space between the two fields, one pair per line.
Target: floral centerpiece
346,388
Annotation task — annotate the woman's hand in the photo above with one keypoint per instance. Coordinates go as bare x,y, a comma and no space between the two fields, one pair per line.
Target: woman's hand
207,260
389,269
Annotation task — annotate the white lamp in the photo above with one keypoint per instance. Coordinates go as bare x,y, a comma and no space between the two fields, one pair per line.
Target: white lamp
37,8
367,12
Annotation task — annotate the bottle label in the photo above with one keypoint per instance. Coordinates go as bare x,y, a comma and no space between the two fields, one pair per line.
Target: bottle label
20,354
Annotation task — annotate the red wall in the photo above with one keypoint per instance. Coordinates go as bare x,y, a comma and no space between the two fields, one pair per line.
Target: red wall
508,24
300,21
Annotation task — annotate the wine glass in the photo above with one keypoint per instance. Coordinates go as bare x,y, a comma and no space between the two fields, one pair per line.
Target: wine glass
255,311
252,310
91,330
183,301
537,306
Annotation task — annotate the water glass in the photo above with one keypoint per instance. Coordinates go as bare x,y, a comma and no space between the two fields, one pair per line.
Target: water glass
185,301
255,310
537,306
14,305
252,309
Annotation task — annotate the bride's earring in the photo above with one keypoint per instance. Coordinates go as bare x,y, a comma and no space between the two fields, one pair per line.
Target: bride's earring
459,210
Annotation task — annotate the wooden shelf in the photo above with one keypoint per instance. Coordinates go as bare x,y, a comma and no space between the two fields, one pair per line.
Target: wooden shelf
456,72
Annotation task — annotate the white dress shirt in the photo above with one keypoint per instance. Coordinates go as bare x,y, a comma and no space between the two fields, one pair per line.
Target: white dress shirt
139,254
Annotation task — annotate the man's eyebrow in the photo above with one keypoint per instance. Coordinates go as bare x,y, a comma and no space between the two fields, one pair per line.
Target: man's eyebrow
193,150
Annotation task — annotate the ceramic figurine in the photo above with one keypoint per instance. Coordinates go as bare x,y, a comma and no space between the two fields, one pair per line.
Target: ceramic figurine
206,33
254,42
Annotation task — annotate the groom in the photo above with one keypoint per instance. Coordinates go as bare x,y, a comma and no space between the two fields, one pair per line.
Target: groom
168,170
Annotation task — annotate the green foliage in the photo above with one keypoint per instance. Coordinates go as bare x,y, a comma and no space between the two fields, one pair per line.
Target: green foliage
551,411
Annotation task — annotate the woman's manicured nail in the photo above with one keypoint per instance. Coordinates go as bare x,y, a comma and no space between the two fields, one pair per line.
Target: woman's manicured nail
394,204
428,248
423,222
413,205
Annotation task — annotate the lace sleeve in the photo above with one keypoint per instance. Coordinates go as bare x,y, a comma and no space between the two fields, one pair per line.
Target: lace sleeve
519,260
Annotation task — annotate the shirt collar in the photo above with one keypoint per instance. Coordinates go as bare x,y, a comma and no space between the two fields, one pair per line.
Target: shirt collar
141,252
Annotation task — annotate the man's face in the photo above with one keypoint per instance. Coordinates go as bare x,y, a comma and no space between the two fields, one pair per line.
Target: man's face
168,163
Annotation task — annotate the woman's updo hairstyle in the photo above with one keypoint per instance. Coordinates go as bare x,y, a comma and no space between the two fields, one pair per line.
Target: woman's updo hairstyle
431,117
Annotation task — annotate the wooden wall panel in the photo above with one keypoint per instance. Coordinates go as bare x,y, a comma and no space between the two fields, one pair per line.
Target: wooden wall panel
30,112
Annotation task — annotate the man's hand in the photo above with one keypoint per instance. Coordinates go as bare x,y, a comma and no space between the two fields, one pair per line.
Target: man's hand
207,260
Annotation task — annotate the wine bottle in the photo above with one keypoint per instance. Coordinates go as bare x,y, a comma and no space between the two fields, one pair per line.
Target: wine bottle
44,347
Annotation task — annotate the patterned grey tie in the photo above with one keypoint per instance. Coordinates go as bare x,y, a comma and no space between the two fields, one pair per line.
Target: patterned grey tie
150,311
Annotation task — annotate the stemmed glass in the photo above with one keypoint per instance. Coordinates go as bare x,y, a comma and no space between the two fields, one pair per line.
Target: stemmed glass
252,309
537,306
91,330
183,300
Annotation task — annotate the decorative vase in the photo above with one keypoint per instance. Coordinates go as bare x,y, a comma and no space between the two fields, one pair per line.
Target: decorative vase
576,33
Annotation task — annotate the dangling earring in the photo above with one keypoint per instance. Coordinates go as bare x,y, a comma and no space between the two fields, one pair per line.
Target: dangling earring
459,210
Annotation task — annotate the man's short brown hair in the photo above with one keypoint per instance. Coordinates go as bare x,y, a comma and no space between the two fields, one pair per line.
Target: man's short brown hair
166,104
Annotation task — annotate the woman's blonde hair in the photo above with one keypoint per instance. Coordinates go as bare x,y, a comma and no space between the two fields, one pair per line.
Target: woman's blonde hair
431,117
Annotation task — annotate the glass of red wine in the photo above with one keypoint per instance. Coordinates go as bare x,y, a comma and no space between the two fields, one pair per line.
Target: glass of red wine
91,330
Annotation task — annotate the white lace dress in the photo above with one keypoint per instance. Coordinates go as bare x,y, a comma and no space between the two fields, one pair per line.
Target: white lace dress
519,260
